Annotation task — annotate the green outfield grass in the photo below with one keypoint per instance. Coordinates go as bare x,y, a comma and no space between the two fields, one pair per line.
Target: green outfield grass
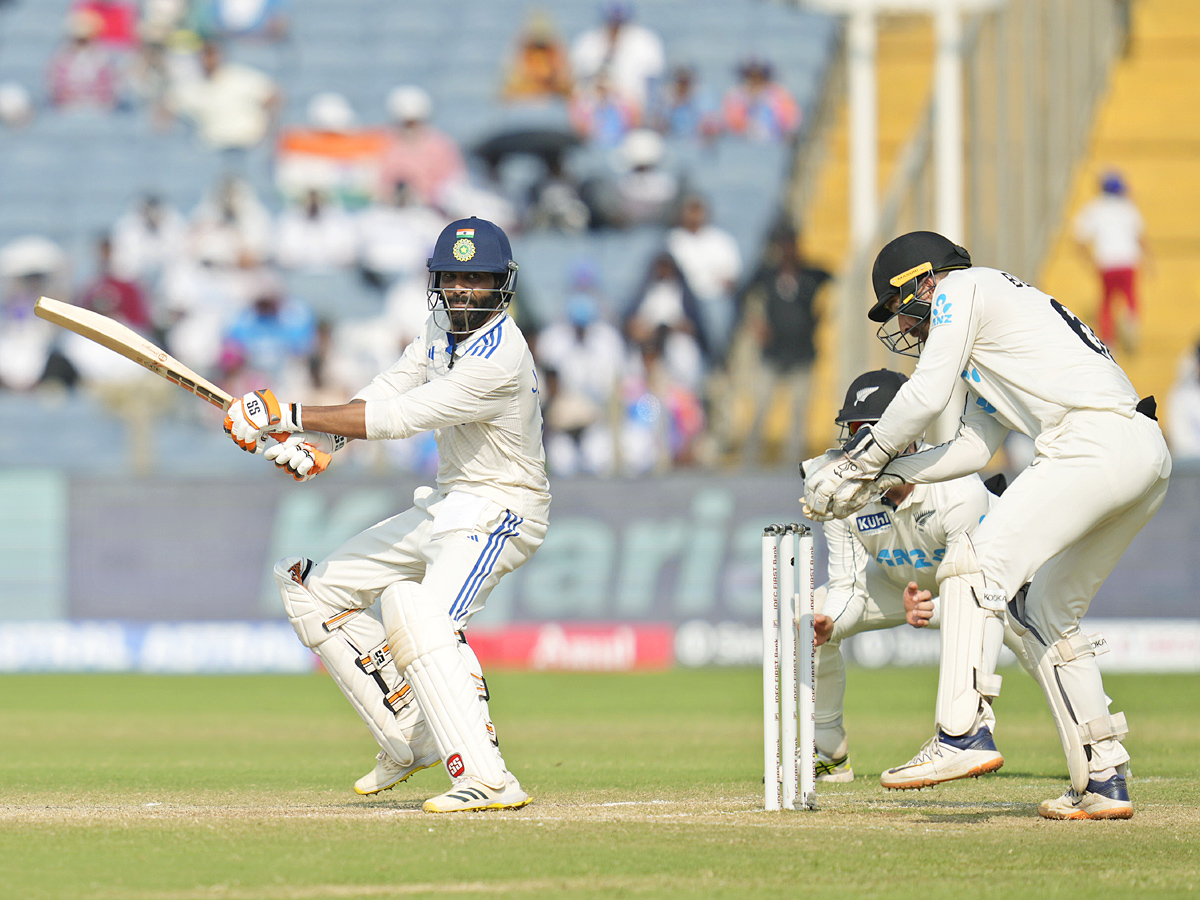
141,788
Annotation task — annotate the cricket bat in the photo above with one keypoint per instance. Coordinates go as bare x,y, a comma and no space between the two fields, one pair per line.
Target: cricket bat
131,345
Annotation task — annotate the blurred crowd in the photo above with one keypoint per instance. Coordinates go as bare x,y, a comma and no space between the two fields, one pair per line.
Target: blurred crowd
633,384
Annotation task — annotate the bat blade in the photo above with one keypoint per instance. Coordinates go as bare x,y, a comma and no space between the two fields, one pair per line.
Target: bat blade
131,345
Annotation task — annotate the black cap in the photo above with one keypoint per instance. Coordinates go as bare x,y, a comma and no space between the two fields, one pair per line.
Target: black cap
869,395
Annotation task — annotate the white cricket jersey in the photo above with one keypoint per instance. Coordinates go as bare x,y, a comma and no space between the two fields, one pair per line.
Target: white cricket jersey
1112,227
903,543
1027,360
481,398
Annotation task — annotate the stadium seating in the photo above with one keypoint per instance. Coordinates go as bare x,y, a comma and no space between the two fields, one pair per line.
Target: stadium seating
69,177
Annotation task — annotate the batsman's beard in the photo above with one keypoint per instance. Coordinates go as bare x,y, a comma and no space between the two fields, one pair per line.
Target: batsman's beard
467,319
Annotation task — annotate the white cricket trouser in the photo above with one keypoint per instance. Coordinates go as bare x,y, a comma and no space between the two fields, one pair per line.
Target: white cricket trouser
1095,481
458,557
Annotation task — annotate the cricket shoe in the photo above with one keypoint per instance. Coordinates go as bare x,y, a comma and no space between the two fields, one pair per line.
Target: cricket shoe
470,795
833,770
388,773
1102,800
946,758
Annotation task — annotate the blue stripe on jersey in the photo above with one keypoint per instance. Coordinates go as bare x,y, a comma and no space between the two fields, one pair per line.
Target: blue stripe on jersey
484,564
488,342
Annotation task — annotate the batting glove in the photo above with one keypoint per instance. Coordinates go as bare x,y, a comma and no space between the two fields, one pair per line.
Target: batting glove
305,454
258,414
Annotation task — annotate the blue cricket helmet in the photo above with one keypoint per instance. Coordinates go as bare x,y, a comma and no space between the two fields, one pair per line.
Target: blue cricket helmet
472,245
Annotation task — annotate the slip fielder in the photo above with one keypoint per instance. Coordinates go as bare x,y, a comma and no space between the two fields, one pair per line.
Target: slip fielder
1099,473
413,679
882,561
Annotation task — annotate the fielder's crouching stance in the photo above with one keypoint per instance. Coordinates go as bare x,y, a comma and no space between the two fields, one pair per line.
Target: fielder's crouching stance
413,678
1099,474
883,562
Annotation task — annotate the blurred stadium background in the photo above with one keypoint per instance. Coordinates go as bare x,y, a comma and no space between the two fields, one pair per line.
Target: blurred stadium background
125,545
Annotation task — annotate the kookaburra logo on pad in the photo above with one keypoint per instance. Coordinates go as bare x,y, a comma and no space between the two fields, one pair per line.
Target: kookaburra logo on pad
865,393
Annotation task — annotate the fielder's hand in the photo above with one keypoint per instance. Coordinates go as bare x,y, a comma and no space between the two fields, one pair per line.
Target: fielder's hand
258,414
918,606
822,629
303,455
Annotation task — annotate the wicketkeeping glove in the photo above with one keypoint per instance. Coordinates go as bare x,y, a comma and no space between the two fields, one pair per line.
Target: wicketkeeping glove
258,414
843,481
305,454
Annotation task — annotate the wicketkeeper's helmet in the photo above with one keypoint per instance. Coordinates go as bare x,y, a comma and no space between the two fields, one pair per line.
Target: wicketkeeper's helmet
898,272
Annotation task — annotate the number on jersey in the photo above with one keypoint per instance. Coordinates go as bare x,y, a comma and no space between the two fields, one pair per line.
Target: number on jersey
1080,328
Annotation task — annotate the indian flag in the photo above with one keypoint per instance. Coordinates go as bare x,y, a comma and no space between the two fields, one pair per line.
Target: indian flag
466,232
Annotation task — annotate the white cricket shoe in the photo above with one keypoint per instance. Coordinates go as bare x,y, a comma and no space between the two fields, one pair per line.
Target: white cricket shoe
946,758
1102,800
388,773
469,795
833,770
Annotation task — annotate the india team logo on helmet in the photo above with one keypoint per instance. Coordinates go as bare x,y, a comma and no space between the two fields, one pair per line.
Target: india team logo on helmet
472,245
464,245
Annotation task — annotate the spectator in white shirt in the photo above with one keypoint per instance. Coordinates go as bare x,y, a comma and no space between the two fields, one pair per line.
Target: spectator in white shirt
316,236
711,262
145,239
1111,231
632,56
232,106
396,238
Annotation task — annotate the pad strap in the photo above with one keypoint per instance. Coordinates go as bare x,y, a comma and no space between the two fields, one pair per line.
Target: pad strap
1070,648
399,699
1104,728
988,685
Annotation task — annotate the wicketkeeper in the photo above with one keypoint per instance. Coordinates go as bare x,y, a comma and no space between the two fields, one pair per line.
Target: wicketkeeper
470,377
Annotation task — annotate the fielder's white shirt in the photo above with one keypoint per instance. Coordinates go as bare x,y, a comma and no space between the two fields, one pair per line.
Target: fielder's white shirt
1027,360
1112,227
481,398
903,543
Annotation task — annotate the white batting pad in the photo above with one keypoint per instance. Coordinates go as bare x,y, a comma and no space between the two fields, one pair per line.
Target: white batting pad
972,634
353,648
426,649
1070,679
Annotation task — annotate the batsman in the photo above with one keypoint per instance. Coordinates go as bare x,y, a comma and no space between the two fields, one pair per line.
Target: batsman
470,378
1099,473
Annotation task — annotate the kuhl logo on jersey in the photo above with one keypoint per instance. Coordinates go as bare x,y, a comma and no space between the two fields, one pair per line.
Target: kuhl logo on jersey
941,311
874,523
